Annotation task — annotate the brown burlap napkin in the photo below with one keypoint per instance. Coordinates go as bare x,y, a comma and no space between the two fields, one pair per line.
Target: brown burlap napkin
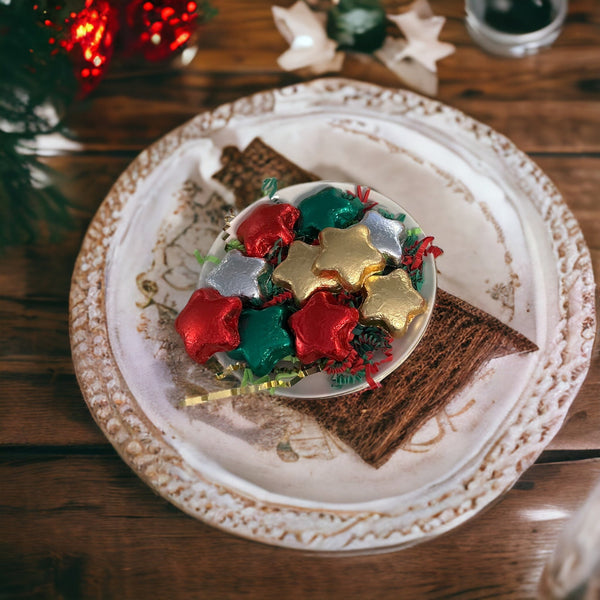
459,340
244,172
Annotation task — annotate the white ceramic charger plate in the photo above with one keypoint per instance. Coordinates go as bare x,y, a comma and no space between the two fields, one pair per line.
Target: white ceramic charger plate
262,471
319,385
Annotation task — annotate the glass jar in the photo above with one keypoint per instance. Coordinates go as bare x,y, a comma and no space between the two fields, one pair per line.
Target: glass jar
572,572
500,41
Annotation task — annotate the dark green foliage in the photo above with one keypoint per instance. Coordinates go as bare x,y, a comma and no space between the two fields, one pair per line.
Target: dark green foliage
37,84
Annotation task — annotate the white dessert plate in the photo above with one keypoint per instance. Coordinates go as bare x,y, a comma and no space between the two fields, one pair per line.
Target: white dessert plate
258,469
319,385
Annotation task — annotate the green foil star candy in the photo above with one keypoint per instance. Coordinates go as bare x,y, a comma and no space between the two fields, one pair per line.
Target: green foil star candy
264,341
329,207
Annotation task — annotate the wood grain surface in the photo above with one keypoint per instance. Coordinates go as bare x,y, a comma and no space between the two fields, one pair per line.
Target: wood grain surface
75,522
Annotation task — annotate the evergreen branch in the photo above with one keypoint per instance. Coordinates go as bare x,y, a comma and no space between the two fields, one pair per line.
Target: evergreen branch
30,205
36,87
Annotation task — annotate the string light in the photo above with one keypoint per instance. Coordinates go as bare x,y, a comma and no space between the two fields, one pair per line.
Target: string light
88,37
152,29
159,28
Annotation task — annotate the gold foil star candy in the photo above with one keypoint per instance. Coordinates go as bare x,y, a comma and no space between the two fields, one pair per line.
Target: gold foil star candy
296,274
392,301
348,255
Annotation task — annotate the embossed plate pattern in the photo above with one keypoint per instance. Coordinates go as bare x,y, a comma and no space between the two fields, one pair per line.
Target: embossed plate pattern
261,471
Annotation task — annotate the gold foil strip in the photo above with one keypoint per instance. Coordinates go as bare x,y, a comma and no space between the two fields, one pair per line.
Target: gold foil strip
281,381
230,369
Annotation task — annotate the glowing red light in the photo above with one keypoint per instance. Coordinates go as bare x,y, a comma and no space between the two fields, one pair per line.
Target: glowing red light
181,39
161,27
88,38
166,12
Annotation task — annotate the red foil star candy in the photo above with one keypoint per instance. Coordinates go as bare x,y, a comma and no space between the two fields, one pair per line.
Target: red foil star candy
265,225
323,328
209,324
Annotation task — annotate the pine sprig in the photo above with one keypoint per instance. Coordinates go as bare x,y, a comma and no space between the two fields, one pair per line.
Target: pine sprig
36,87
30,206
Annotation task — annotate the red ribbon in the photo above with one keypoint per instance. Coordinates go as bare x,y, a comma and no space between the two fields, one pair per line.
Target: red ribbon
355,363
425,248
278,299
363,195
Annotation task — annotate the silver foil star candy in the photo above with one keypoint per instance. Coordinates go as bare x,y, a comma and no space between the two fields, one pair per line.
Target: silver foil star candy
387,235
238,275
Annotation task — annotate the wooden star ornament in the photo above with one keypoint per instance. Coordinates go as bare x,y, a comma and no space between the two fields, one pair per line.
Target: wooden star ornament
422,29
309,47
392,301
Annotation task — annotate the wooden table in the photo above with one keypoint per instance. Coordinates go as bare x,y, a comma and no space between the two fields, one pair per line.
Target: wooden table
75,522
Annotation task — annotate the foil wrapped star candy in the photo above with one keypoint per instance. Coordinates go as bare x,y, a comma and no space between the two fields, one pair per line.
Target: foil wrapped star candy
325,278
297,274
265,226
238,275
264,339
391,300
348,255
323,328
387,235
209,324
328,207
